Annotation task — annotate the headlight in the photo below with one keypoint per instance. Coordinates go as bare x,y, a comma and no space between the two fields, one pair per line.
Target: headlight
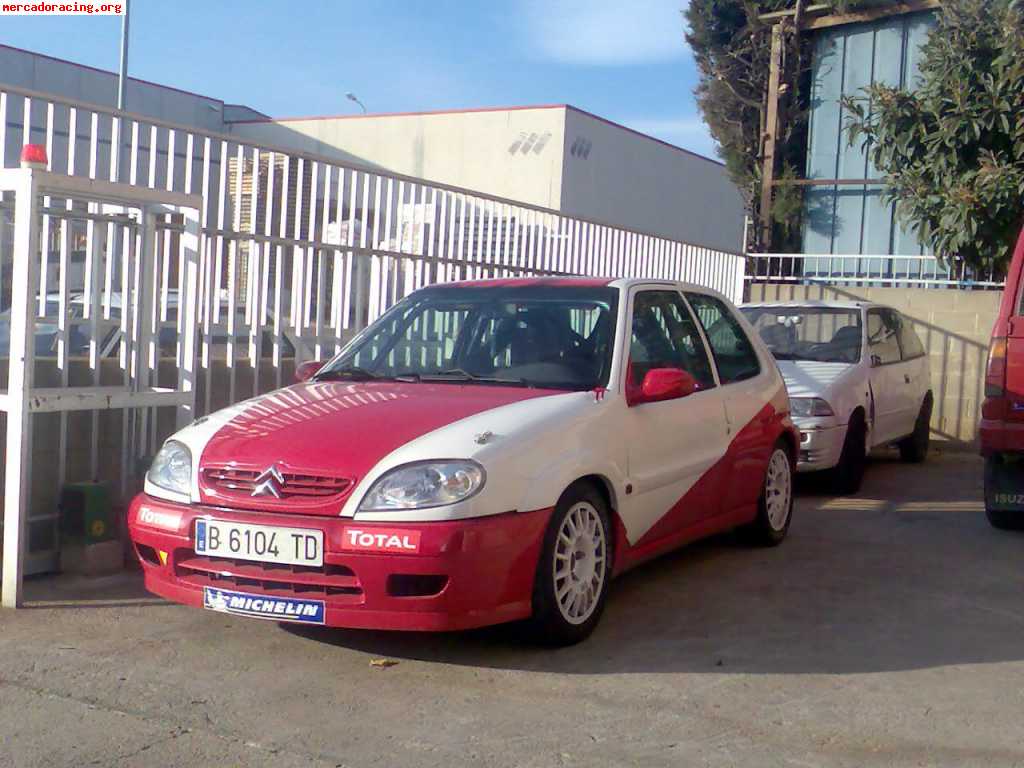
424,484
172,468
809,406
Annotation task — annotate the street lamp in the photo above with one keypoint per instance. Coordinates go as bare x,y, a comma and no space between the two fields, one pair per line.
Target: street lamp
353,97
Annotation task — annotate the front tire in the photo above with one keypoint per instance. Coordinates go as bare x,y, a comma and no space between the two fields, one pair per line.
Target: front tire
574,570
775,507
849,472
914,448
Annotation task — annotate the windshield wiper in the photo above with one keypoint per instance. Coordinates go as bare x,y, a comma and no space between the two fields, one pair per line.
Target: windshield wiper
459,374
347,372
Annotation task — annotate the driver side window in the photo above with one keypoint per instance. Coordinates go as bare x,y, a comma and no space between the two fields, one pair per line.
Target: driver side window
883,339
664,335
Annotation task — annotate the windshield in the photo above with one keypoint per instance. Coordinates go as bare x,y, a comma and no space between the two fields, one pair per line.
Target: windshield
533,335
822,334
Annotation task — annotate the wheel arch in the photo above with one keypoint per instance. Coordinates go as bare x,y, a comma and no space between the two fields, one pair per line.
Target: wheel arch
791,439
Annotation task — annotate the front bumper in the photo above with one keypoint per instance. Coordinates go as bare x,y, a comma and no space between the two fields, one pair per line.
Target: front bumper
820,446
466,573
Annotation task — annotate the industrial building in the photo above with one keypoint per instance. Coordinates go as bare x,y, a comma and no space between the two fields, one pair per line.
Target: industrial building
553,156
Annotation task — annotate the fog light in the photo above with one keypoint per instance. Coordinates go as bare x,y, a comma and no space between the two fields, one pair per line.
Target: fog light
415,585
162,555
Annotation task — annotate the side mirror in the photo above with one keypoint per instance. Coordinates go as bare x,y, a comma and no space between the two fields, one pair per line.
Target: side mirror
305,371
664,384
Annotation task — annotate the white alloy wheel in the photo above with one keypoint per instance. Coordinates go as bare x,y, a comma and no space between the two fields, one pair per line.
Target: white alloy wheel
580,563
778,489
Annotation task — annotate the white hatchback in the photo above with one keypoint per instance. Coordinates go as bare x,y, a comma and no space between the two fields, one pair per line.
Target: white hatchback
858,378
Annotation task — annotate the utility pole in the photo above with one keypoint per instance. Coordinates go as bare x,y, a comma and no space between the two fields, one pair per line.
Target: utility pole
122,80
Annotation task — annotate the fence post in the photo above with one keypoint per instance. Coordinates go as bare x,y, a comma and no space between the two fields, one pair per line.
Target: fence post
188,306
25,276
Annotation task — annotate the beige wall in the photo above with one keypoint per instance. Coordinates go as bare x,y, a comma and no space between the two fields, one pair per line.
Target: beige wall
631,180
955,328
512,153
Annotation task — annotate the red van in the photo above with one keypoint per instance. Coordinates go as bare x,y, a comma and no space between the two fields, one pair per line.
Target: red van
1001,431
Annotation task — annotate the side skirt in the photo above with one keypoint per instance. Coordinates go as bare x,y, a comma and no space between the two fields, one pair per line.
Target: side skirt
630,557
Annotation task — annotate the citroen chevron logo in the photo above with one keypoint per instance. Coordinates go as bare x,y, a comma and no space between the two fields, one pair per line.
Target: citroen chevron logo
269,482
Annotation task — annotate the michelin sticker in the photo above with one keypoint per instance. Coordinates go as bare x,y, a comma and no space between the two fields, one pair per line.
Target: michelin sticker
263,606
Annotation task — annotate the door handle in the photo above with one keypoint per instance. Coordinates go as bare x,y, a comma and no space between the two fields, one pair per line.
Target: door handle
906,378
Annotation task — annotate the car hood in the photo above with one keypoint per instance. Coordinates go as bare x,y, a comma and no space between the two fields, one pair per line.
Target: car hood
809,378
323,437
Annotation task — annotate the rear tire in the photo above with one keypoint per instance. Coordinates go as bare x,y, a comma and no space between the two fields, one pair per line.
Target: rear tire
574,570
849,472
1003,519
775,507
914,447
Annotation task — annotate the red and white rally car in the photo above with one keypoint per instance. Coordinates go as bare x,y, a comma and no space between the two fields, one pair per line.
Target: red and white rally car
485,452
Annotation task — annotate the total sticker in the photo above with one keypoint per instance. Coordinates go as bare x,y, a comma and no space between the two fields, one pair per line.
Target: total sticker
167,520
380,540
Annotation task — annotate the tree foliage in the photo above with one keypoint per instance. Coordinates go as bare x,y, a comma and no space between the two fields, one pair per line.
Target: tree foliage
732,49
952,150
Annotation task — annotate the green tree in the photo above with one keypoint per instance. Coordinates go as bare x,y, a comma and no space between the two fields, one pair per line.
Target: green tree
732,48
952,149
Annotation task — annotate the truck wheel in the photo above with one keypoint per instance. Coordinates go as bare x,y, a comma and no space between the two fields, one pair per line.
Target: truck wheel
914,447
849,472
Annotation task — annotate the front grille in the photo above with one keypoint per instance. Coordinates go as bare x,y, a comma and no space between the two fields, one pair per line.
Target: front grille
241,483
270,578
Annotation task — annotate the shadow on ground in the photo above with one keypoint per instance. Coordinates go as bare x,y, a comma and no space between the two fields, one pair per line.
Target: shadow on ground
904,575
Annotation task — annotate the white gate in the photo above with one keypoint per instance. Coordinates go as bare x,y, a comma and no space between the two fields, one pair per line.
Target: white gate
83,354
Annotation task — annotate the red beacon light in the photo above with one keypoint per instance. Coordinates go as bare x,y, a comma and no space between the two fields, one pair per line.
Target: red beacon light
33,156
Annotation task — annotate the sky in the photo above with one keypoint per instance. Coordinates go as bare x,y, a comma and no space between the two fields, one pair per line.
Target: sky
624,60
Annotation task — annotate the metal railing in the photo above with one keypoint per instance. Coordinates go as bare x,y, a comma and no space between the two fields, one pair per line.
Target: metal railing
298,252
912,271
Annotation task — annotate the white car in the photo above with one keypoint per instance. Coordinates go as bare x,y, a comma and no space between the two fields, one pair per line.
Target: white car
858,377
484,452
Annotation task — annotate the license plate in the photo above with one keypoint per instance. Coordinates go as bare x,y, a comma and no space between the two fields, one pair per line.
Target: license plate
263,606
260,543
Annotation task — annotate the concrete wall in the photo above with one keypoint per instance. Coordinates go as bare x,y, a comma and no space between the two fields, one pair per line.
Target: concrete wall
513,153
955,327
616,175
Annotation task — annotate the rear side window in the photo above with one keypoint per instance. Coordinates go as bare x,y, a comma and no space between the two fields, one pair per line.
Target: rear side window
883,337
910,342
734,354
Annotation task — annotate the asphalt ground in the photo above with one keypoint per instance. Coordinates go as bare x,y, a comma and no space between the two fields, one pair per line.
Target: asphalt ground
887,630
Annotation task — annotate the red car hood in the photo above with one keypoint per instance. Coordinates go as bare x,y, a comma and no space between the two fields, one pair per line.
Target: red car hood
322,437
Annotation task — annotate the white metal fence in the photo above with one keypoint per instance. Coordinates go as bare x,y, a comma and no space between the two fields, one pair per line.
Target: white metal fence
83,380
299,252
914,271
